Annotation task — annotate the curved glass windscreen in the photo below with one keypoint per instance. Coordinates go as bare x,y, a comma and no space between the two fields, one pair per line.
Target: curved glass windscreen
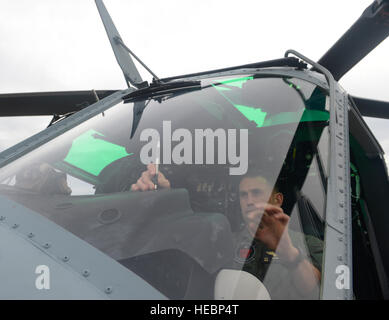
210,192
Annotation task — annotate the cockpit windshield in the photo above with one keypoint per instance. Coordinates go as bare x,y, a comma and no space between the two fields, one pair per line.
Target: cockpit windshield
241,186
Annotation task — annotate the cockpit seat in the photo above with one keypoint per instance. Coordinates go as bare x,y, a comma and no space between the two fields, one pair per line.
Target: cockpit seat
310,220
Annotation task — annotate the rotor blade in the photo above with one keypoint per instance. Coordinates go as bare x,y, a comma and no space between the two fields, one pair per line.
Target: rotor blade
48,103
372,108
363,36
124,60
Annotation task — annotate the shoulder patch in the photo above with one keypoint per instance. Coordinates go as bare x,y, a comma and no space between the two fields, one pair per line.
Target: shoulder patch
244,253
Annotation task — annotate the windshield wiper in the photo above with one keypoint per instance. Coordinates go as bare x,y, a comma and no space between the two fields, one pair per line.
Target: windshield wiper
158,88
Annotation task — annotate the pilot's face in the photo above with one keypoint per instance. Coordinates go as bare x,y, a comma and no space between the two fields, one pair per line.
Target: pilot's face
256,191
253,190
43,179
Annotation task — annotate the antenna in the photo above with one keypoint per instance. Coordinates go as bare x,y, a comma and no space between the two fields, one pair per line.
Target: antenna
120,50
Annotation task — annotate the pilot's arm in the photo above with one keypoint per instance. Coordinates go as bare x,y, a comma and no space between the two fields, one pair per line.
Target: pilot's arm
273,232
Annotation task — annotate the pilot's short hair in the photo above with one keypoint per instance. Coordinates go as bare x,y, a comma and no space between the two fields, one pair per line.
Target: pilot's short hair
268,175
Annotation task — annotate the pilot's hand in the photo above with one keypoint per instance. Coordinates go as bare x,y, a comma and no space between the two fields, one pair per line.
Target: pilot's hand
269,224
145,182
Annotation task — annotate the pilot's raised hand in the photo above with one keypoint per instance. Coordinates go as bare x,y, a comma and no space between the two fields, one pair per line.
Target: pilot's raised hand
269,224
145,182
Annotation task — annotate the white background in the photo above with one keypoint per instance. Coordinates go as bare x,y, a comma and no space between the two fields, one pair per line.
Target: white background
59,45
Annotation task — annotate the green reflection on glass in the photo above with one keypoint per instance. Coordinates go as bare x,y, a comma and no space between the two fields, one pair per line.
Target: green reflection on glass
237,82
91,153
262,118
252,114
305,115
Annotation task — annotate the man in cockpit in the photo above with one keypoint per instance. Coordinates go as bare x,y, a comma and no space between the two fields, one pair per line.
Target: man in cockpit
41,178
287,262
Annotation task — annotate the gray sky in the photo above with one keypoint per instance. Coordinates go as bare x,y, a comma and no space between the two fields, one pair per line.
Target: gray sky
58,45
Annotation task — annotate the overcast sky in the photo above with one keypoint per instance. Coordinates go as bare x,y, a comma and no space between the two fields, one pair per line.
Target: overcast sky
58,45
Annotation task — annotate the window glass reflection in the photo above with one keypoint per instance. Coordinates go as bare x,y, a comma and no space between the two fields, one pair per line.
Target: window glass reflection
232,181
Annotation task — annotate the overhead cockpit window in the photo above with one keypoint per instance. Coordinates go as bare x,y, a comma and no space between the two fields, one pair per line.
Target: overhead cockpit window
186,188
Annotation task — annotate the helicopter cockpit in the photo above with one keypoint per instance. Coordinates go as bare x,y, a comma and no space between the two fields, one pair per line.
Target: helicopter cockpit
203,138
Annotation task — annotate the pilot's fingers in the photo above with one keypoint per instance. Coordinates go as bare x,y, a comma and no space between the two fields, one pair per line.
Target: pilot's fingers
254,215
282,217
271,209
277,213
152,168
268,207
134,187
260,205
162,181
276,218
265,218
146,178
142,186
150,173
147,174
